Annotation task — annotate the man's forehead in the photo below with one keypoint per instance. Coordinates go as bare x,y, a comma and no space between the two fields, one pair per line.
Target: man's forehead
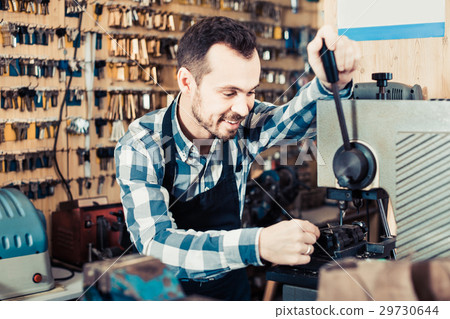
228,68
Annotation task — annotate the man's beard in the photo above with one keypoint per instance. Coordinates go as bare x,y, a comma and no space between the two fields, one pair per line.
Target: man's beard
210,126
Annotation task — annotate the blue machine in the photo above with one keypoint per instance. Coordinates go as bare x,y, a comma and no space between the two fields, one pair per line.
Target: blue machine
24,259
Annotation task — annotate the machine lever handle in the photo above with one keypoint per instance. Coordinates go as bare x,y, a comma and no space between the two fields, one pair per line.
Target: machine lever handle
332,74
329,63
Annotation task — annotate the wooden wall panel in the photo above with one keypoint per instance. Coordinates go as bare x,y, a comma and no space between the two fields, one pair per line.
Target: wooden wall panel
412,61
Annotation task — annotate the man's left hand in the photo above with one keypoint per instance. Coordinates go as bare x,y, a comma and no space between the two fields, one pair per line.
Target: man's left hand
346,51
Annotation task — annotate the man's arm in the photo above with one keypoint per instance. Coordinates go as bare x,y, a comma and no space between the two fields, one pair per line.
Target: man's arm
153,230
268,125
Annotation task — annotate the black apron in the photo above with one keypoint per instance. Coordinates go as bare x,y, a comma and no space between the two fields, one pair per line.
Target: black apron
214,209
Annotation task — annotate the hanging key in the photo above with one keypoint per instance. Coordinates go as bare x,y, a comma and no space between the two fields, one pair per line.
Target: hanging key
100,96
42,127
35,158
54,98
61,34
45,10
101,181
38,68
43,187
50,155
52,68
14,5
48,125
14,98
5,5
98,41
51,186
40,33
9,161
99,124
23,94
101,154
100,66
81,152
47,98
40,155
22,34
80,181
98,11
31,68
34,188
21,129
19,158
23,66
6,34
30,31
63,67
31,159
2,161
38,7
24,188
2,132
49,35
54,125
7,95
29,6
14,35
22,5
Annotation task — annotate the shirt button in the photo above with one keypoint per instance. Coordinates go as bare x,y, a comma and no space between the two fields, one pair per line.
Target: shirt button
206,188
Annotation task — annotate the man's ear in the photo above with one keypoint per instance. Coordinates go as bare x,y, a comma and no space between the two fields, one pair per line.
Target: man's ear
186,81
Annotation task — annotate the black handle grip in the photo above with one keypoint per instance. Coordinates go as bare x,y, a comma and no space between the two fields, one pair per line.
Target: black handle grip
329,63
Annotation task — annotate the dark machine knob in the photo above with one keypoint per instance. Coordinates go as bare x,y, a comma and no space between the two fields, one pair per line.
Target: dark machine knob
354,168
382,82
350,167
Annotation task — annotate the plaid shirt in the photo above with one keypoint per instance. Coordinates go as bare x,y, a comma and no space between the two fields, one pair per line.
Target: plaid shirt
140,170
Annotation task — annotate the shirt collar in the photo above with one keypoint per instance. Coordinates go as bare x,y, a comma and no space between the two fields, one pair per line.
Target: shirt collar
183,144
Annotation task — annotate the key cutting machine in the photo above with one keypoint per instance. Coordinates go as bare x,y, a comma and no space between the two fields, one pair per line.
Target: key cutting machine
24,259
388,149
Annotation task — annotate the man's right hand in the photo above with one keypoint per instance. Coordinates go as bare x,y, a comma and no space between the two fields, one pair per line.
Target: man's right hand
288,242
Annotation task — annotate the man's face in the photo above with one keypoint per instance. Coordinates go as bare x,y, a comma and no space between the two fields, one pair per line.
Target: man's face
226,95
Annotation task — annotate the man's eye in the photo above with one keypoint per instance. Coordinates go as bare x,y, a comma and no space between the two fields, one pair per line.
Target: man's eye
251,93
229,94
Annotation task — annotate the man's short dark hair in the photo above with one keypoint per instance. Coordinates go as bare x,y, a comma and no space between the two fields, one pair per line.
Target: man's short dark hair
197,40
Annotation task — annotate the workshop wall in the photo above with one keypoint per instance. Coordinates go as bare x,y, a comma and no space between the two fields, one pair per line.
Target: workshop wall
37,61
412,61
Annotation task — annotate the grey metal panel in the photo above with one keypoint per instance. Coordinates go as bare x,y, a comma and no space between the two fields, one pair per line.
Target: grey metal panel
422,191
411,143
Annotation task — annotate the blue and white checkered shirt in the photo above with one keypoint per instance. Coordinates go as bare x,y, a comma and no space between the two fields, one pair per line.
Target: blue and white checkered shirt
140,170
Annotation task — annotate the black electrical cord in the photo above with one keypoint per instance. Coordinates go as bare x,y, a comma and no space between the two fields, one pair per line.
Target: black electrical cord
63,103
70,276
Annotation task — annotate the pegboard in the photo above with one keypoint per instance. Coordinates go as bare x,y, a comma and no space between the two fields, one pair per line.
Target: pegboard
107,85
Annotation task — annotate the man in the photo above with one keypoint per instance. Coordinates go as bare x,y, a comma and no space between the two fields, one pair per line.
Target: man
183,169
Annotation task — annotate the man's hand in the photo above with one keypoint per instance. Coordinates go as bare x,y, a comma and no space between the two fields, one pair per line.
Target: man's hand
288,242
346,51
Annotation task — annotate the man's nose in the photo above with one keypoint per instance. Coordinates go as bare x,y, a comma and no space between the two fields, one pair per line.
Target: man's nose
241,106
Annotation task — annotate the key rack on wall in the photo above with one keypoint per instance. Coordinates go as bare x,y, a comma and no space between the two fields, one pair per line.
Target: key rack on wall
124,67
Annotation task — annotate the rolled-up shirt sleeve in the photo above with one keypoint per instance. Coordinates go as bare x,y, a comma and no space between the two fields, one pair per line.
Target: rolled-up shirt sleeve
268,125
